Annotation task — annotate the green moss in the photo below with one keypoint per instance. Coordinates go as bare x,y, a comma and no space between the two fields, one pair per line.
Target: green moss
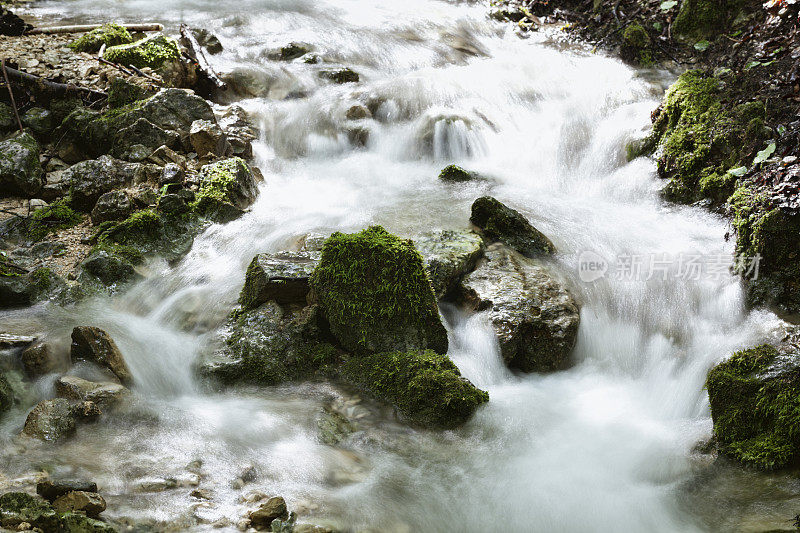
42,279
55,217
375,292
142,225
636,45
130,254
700,139
151,52
705,19
455,173
426,387
756,409
18,507
108,34
123,93
220,189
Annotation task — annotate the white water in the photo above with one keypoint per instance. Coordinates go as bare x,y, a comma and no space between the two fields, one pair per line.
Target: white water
604,446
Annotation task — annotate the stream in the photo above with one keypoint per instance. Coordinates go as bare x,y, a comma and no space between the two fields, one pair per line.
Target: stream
608,445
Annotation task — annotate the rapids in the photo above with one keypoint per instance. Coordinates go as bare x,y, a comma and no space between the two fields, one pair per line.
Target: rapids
605,446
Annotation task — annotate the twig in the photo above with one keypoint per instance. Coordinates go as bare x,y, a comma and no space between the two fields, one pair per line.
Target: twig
198,56
142,74
89,27
11,95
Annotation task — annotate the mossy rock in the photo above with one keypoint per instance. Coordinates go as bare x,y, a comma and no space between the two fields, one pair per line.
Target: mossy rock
55,217
151,52
122,92
771,234
339,75
282,277
375,293
637,47
699,139
455,174
108,34
426,387
706,19
226,188
19,507
501,223
20,171
151,234
755,405
6,395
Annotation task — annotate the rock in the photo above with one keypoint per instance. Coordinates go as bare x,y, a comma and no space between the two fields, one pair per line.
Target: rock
6,395
39,120
17,508
426,387
207,40
20,171
9,340
114,205
207,139
339,75
19,287
754,405
358,112
226,188
108,34
290,51
535,318
151,52
175,109
51,489
272,345
89,180
373,290
40,359
454,174
80,523
173,204
501,223
122,92
90,503
281,277
105,394
96,346
239,131
139,140
449,255
636,45
109,267
274,508
83,134
172,173
52,420
8,122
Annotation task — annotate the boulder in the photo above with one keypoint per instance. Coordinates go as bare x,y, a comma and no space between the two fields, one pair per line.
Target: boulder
109,267
39,120
53,420
339,75
20,171
274,508
501,223
142,133
282,277
40,359
157,52
90,503
239,131
373,290
113,205
80,523
52,489
8,122
207,139
19,508
449,255
172,173
172,204
89,180
96,346
108,35
755,406
424,386
104,394
455,174
226,188
175,109
83,134
534,316
290,52
122,92
272,345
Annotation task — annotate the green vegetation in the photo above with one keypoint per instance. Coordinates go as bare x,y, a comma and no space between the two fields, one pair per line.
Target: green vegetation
123,93
636,45
218,186
108,34
425,387
151,52
453,173
376,295
756,413
55,217
703,19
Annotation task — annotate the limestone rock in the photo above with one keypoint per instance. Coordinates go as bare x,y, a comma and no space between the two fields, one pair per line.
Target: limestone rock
282,277
20,171
274,508
96,346
449,255
103,394
90,503
501,223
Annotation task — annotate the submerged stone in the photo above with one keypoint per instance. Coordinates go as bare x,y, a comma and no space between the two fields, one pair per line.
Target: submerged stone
426,387
501,223
755,406
535,318
453,173
373,290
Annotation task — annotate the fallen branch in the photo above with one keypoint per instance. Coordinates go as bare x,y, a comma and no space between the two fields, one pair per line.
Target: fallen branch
197,55
142,74
11,95
50,87
89,27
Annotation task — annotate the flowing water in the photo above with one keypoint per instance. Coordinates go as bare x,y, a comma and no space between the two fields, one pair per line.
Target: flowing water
605,446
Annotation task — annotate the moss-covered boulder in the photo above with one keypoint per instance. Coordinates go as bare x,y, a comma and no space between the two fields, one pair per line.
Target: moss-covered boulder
20,287
770,235
272,345
374,291
151,52
282,277
21,174
123,92
426,387
108,34
18,507
706,19
227,188
535,317
448,256
498,222
698,139
637,47
148,233
755,405
455,174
